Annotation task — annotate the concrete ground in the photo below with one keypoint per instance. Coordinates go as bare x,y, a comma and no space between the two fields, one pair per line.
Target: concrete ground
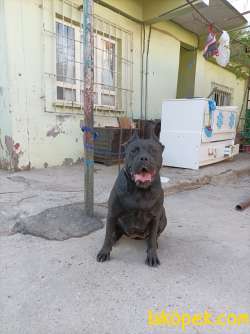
57,287
27,193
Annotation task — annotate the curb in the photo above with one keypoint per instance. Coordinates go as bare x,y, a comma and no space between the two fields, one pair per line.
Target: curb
196,183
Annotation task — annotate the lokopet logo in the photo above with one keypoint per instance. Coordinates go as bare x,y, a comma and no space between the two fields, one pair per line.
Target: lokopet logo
183,320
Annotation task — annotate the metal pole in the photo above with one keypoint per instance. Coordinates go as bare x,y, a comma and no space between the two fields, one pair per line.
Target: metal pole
88,52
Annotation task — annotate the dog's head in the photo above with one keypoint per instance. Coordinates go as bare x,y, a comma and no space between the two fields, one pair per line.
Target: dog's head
143,159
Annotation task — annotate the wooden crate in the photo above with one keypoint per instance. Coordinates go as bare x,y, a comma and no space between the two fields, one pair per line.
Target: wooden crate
107,148
145,127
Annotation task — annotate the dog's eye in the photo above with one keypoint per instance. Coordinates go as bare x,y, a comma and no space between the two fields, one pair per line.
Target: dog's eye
135,150
153,150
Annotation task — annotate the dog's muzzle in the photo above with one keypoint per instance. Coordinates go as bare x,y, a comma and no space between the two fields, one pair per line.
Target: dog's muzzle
144,176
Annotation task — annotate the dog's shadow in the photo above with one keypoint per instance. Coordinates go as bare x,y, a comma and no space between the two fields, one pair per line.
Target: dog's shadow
128,250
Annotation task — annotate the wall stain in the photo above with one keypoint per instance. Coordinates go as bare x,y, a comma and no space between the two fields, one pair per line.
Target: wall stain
71,162
4,164
68,162
13,150
26,168
54,132
62,118
1,144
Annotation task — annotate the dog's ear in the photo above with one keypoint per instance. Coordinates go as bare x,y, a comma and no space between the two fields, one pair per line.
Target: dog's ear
131,139
157,128
152,133
155,137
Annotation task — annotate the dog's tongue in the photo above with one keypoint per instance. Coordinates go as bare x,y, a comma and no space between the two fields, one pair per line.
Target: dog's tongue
143,177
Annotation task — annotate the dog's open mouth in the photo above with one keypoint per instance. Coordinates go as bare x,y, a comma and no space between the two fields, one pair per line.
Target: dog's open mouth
144,176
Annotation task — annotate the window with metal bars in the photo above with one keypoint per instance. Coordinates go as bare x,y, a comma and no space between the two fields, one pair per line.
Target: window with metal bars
113,64
221,94
66,66
105,70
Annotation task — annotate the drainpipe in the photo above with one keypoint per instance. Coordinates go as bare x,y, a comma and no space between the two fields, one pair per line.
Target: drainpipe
142,66
88,79
146,79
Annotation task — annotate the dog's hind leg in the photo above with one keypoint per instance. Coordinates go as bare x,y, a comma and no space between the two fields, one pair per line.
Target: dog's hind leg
118,233
162,223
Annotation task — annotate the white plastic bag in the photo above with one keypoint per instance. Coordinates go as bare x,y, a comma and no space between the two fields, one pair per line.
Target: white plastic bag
224,49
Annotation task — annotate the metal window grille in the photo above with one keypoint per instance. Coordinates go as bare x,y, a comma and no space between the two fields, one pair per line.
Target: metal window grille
222,94
63,60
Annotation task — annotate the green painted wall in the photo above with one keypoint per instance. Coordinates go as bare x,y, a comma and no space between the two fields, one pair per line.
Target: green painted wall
133,8
186,75
207,72
22,103
5,106
177,32
163,62
162,72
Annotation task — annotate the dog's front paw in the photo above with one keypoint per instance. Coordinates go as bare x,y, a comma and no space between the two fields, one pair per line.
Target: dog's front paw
103,255
152,258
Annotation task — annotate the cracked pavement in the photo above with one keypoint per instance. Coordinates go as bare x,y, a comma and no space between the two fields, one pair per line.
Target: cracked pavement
29,193
57,287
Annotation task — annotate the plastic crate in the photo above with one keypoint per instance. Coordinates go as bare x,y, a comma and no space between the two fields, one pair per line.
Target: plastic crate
247,120
245,134
246,148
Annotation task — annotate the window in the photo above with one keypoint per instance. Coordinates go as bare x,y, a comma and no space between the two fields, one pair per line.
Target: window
112,64
105,65
221,94
66,66
67,62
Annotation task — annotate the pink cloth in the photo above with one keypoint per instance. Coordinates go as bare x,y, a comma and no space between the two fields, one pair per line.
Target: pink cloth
210,49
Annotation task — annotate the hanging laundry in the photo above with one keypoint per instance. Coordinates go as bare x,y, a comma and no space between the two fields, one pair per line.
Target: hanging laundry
210,49
224,49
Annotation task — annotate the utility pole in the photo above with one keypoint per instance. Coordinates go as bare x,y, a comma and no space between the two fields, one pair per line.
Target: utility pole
88,135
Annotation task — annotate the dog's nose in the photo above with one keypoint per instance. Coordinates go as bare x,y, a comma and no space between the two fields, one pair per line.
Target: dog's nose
144,159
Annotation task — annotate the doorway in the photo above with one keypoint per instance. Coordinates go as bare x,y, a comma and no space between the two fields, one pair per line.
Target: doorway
186,75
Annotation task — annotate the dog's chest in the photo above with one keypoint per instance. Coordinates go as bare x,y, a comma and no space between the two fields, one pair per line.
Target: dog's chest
136,223
138,201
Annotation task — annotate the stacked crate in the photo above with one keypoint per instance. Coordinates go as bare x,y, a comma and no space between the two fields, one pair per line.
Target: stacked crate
246,132
108,144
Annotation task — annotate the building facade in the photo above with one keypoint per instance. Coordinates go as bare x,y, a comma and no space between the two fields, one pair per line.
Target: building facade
142,57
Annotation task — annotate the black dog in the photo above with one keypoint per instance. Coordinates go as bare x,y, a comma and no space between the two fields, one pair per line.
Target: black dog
136,200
